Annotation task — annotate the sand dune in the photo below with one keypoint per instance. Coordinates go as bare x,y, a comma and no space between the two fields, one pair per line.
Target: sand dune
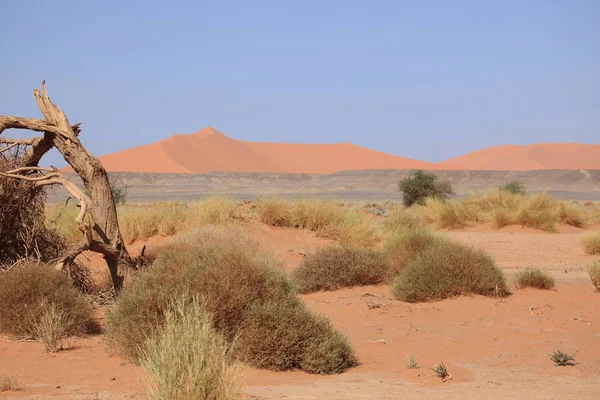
209,150
530,157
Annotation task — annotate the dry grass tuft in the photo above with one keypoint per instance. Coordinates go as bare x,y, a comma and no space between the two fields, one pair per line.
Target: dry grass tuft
591,243
449,214
401,218
222,265
594,273
327,219
188,359
35,299
449,269
405,246
534,278
52,327
9,383
335,267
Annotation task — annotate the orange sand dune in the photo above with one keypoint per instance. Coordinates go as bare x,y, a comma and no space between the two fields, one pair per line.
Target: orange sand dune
529,157
210,151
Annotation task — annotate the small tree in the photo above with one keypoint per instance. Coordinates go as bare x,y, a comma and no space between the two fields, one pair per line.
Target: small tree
420,185
513,187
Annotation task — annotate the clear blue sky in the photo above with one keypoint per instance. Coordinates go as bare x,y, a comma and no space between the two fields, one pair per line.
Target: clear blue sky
423,79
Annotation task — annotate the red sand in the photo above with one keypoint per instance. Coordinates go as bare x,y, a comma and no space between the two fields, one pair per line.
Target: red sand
530,157
209,150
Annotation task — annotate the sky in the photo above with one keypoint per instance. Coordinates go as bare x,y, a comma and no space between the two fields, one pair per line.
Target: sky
428,80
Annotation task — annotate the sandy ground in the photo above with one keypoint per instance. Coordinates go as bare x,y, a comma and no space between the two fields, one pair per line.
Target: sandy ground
493,348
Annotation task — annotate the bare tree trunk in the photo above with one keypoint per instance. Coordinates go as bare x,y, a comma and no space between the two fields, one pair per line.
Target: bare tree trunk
59,133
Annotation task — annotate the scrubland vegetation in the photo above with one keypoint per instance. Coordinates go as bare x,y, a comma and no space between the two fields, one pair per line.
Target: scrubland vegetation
245,292
594,273
534,278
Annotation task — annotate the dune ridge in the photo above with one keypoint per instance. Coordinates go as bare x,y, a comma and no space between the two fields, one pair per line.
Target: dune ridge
209,150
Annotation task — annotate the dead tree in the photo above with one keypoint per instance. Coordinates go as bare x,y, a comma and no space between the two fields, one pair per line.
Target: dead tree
103,236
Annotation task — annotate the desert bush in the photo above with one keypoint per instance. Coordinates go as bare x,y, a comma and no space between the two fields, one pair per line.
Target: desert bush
335,267
23,232
32,294
593,270
449,269
52,327
274,211
188,359
420,185
401,218
9,383
449,215
404,247
534,278
513,187
591,243
296,339
572,214
222,265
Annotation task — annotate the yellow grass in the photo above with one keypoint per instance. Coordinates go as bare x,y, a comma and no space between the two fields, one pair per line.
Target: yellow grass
591,243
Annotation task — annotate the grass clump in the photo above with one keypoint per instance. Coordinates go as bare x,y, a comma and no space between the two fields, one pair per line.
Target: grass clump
594,272
222,266
591,243
441,371
188,359
449,215
537,212
38,302
449,269
400,218
403,247
335,267
327,219
534,278
9,383
295,338
411,361
562,359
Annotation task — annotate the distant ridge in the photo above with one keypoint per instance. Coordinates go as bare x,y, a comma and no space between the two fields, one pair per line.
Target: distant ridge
208,150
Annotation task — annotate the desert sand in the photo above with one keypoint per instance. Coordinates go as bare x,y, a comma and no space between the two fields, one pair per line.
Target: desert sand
494,348
209,150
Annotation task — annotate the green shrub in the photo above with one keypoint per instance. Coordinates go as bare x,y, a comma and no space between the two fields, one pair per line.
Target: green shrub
591,243
296,339
28,291
335,267
222,265
513,187
449,269
405,246
188,359
420,185
534,278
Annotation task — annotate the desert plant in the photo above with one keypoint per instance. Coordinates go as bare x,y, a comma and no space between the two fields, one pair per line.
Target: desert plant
449,215
28,293
274,211
335,267
296,338
537,212
411,361
513,187
420,185
405,246
593,270
400,218
449,269
9,383
591,243
222,265
187,359
562,359
441,371
572,214
23,232
51,327
534,278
